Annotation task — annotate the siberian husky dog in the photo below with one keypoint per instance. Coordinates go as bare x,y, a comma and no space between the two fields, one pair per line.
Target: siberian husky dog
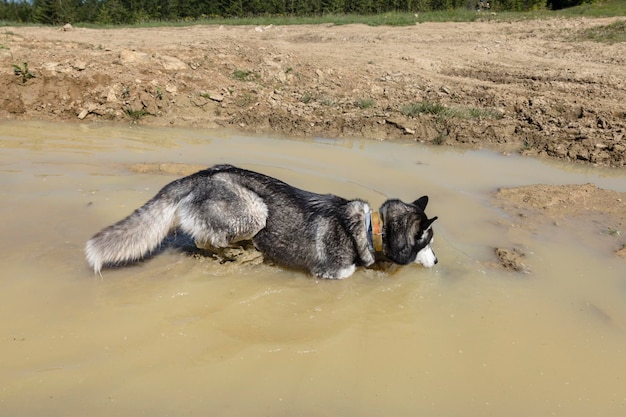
323,234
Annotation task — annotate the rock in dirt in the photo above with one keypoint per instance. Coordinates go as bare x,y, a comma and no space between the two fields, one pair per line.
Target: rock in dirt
83,113
171,63
133,57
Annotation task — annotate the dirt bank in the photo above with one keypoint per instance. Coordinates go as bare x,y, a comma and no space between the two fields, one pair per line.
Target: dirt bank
521,86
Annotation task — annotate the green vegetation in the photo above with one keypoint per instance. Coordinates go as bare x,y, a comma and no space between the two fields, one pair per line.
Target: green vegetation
365,103
426,107
244,100
612,33
308,98
136,115
244,75
23,72
613,232
527,145
292,12
438,109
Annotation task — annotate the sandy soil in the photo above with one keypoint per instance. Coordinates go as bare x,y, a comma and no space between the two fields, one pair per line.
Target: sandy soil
535,89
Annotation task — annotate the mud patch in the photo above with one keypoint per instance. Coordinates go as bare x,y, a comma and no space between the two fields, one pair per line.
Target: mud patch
511,259
559,201
578,207
229,260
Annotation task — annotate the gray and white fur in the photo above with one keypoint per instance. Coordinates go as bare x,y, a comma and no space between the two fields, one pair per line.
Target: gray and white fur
323,234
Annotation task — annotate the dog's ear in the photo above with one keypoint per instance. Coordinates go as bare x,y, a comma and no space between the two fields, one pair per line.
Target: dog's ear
429,222
421,202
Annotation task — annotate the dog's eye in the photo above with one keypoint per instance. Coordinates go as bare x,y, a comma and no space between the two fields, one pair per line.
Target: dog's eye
426,236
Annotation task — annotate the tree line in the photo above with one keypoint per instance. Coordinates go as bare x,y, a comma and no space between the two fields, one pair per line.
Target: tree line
54,12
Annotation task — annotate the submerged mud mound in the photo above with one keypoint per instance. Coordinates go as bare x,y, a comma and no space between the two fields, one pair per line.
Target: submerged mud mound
582,208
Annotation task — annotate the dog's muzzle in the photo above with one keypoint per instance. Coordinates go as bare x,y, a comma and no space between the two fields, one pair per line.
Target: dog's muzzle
426,256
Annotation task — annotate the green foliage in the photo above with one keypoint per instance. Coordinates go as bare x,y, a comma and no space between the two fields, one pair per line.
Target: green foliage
136,115
438,109
279,12
244,75
518,5
426,107
23,72
613,232
16,11
611,33
564,4
365,103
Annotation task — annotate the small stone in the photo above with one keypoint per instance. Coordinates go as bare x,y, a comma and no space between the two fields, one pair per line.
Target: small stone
79,65
171,63
133,57
216,97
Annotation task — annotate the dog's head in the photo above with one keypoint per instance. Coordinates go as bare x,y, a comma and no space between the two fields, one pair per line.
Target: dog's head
407,232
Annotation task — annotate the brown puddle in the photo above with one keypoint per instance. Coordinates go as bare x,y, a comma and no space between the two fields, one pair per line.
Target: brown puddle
179,335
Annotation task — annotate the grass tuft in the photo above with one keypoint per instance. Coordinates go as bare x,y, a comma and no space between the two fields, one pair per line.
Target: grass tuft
612,33
438,109
136,115
365,103
244,75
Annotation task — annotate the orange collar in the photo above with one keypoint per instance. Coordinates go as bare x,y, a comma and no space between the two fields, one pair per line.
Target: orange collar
377,231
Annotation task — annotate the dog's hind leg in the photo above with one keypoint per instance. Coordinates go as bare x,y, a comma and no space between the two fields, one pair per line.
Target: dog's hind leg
222,215
344,272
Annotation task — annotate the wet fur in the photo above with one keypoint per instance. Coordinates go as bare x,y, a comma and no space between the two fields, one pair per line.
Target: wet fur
321,233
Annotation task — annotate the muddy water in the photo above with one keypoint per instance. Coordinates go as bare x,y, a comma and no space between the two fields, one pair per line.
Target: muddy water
178,335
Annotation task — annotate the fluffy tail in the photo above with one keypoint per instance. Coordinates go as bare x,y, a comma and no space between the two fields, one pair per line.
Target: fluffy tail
135,236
